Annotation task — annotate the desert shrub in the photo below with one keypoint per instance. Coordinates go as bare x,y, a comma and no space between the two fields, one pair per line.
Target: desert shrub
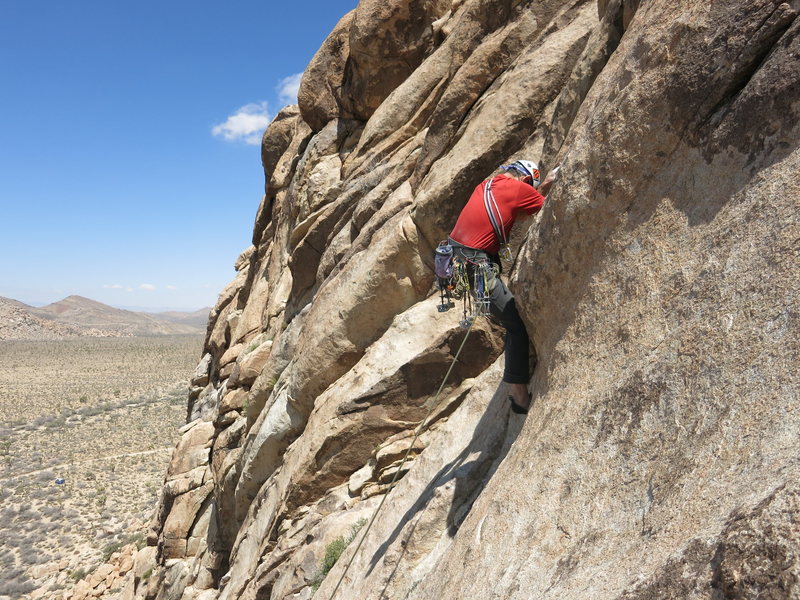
109,549
48,526
146,574
52,511
31,556
140,539
45,476
334,551
32,533
24,515
15,584
91,411
40,493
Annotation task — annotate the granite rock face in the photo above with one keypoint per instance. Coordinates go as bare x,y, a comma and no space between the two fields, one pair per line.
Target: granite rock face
659,286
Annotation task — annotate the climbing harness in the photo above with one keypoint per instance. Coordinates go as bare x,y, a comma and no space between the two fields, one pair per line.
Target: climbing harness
465,274
418,431
468,274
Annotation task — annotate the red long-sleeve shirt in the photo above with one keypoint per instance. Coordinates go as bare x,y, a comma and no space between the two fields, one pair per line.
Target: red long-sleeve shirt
473,227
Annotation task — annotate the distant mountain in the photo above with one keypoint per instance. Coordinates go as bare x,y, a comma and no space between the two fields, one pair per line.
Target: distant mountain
18,323
198,318
79,316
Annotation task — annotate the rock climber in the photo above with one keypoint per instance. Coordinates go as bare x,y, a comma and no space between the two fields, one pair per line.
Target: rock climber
481,233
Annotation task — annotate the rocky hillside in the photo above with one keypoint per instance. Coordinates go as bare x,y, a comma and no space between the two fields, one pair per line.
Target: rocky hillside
17,322
660,457
76,316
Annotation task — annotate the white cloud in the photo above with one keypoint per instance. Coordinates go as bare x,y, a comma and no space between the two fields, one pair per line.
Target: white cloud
172,287
130,289
147,286
114,286
245,125
288,88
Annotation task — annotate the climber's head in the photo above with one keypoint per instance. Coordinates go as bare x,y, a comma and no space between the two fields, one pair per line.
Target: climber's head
527,169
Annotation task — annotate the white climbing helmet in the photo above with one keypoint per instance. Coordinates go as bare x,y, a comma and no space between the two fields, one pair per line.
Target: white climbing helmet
526,167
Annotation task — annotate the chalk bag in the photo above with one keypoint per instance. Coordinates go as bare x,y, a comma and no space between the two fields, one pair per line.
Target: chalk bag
443,261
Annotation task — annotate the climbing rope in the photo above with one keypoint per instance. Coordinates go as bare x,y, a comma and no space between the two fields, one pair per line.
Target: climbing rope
420,428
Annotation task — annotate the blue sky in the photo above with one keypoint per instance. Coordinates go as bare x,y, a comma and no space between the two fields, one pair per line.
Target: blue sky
130,171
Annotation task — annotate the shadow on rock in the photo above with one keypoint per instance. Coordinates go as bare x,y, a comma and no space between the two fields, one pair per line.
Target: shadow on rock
469,471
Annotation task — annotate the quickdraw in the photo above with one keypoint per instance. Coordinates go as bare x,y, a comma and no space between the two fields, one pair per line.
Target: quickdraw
467,279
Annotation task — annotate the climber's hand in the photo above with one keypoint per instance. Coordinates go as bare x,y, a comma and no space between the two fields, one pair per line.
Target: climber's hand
551,178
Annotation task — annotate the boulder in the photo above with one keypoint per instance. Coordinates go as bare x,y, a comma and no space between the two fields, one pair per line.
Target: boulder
128,588
230,355
125,564
183,512
396,448
192,449
99,576
264,450
40,571
233,400
203,407
387,41
253,362
359,479
319,97
143,561
276,140
200,377
183,482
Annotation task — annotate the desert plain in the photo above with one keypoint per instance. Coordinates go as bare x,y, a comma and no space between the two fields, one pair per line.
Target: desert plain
87,429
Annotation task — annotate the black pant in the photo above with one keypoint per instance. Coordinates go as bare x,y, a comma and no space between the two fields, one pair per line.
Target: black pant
504,310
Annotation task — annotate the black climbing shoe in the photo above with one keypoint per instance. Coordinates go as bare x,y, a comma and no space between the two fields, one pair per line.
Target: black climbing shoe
516,407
